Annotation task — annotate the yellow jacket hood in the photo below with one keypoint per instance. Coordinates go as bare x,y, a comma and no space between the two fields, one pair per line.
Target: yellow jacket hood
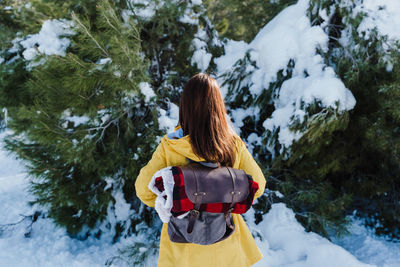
182,146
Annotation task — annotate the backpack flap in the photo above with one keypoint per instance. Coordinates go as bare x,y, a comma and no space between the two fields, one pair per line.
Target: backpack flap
215,185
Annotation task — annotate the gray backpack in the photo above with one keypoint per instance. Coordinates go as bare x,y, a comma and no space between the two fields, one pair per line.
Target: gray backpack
204,184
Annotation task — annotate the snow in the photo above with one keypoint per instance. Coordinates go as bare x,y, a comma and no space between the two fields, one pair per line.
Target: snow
122,208
381,18
384,15
102,114
189,17
147,91
254,140
197,2
168,120
239,114
289,36
144,9
234,51
5,116
202,39
201,57
49,40
366,246
50,246
104,61
285,243
76,120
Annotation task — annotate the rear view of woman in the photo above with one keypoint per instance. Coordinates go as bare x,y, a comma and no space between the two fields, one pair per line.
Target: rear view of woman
203,134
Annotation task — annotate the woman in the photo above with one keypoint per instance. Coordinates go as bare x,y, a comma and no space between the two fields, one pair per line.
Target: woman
203,134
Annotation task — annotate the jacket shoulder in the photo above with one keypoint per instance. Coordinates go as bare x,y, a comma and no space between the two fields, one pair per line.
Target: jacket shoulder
240,144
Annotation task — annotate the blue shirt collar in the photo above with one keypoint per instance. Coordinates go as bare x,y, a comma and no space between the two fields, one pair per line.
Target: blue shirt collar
176,135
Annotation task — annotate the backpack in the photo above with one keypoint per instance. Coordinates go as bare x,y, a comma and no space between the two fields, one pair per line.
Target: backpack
209,184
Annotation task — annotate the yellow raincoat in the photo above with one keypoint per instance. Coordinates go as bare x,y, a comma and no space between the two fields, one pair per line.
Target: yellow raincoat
239,249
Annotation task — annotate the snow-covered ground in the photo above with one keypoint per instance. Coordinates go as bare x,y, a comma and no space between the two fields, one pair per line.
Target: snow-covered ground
287,244
284,241
367,247
47,244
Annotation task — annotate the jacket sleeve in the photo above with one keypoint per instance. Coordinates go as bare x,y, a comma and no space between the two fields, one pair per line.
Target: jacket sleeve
250,166
156,163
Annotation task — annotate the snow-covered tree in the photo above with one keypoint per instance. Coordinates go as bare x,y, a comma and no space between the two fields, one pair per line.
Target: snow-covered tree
364,51
98,91
292,94
179,40
18,20
82,134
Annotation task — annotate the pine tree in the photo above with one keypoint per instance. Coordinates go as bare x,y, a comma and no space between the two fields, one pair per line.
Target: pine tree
82,136
354,155
344,161
349,162
368,64
86,128
19,19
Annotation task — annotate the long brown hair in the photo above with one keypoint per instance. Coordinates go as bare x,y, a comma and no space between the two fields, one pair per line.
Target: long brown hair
202,116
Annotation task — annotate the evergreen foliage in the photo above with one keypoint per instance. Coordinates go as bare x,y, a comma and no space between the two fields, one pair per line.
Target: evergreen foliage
349,163
241,20
309,194
84,126
17,20
12,68
344,161
82,134
168,42
82,123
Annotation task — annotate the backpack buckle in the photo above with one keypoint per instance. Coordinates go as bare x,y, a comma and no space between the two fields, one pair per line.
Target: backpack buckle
226,213
194,212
